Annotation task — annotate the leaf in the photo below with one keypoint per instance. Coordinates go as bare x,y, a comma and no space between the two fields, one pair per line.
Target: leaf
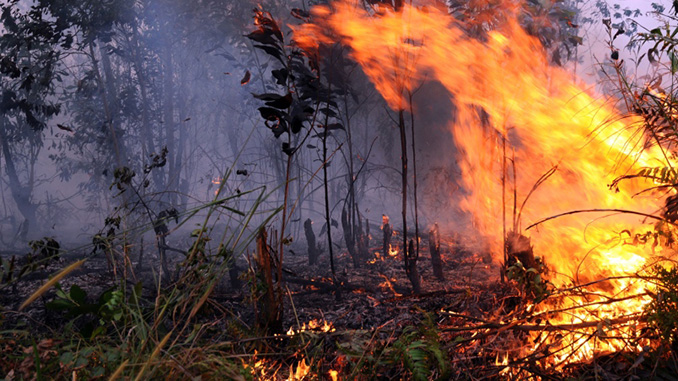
62,274
271,114
282,102
275,100
287,148
281,76
656,31
272,51
674,61
620,31
262,36
300,14
60,305
246,79
77,294
65,128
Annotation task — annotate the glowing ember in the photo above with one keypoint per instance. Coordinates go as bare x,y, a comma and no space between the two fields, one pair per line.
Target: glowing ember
510,102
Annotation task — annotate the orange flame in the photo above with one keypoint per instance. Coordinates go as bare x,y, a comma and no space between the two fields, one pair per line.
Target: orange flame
513,106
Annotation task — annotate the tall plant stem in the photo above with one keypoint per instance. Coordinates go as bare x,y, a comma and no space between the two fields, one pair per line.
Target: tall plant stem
403,157
503,203
414,179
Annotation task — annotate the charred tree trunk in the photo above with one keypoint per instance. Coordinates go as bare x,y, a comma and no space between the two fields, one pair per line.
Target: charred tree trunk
388,233
310,239
363,239
411,268
434,246
269,301
349,238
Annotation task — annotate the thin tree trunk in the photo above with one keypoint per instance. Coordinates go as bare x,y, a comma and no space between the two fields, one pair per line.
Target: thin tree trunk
434,247
414,179
21,194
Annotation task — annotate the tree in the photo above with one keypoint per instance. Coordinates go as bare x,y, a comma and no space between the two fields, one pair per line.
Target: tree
30,51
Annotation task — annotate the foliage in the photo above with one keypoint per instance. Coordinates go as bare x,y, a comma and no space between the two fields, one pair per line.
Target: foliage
662,311
306,93
419,352
531,280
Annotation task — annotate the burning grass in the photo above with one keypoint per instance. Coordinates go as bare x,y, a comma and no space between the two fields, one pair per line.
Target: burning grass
470,326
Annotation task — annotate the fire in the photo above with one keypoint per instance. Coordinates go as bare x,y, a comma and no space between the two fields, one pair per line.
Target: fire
312,325
514,109
387,284
502,363
217,181
301,371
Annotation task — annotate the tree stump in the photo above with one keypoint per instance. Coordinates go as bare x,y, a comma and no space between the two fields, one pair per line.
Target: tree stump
519,248
269,301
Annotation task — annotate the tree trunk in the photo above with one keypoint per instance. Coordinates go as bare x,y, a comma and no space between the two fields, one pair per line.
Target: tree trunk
21,194
310,239
388,233
412,272
434,246
270,306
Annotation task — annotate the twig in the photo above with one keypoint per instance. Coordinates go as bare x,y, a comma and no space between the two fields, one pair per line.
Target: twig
602,210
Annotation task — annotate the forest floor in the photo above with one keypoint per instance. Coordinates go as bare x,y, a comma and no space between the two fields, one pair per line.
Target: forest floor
463,327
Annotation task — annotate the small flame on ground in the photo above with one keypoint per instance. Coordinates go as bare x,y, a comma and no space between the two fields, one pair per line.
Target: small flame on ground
312,325
388,284
301,371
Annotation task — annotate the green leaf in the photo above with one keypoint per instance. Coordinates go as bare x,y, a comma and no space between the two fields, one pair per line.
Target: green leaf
77,294
674,62
66,358
60,305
